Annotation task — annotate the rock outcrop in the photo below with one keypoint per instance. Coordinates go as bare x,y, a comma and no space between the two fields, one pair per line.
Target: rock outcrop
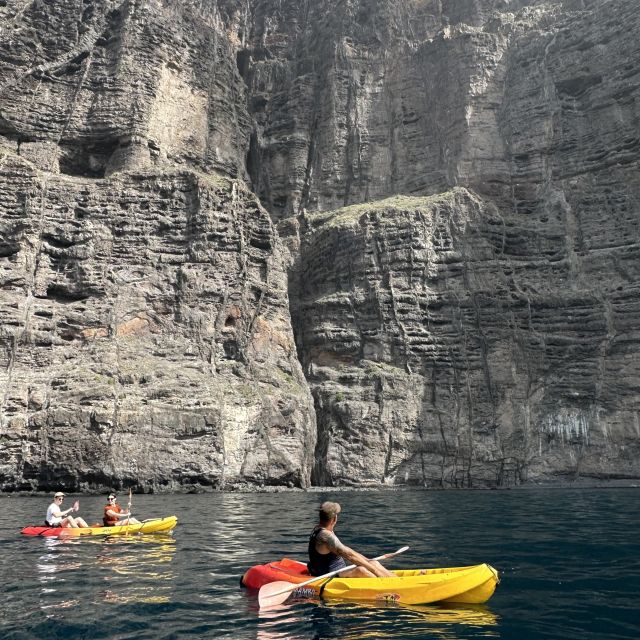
439,199
435,361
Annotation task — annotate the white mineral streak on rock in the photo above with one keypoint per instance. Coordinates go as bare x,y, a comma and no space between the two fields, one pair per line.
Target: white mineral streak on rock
570,427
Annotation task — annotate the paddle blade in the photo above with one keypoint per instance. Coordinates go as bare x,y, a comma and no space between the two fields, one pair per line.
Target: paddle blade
76,505
274,593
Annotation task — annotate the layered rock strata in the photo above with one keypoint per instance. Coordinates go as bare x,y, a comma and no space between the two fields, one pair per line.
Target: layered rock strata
146,336
434,361
531,106
478,329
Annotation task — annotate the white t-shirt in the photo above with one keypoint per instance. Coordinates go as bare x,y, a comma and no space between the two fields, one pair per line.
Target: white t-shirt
54,516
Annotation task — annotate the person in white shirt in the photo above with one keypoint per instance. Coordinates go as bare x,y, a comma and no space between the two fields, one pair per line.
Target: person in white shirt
57,518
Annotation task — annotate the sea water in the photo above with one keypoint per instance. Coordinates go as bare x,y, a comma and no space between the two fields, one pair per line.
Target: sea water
569,562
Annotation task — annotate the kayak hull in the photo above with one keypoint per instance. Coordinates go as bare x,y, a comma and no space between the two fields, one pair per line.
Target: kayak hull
465,585
468,585
156,525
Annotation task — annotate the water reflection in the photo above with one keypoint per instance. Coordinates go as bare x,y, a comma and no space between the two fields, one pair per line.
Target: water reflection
137,569
276,623
352,621
415,621
132,569
477,615
51,565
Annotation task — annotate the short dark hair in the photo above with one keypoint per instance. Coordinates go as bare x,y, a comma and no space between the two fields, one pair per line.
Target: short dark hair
328,511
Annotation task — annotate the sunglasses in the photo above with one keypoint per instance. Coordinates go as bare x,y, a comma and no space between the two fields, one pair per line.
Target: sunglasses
59,498
112,498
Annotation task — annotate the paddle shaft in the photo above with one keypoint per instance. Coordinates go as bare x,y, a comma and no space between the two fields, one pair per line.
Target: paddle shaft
129,510
329,575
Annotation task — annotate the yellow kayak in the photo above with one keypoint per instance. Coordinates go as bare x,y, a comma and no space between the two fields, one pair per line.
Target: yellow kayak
155,525
469,585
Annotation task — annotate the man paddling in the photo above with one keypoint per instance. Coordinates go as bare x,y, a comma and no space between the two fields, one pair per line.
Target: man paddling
115,515
327,553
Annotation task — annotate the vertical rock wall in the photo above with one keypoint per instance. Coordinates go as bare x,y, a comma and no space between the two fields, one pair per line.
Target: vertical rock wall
144,320
455,186
146,336
431,366
531,106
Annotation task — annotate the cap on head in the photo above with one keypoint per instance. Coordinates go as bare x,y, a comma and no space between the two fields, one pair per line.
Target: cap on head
328,511
59,494
112,495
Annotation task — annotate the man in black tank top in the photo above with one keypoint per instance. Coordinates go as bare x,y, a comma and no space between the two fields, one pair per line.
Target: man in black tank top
327,553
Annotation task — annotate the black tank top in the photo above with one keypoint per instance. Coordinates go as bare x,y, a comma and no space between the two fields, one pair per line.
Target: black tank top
321,563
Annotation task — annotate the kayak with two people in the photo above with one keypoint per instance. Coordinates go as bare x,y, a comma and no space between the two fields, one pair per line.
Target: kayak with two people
116,521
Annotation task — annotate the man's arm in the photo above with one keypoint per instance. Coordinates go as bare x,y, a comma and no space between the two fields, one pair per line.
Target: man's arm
331,540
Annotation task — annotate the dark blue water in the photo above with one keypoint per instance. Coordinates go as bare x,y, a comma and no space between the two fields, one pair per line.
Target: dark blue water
569,562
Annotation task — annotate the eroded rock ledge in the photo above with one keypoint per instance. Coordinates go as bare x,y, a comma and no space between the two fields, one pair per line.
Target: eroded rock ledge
435,360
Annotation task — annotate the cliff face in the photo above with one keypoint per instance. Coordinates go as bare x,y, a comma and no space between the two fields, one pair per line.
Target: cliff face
145,327
434,361
146,335
445,215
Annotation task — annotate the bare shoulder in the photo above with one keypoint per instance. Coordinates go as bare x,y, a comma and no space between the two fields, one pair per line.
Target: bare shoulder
330,539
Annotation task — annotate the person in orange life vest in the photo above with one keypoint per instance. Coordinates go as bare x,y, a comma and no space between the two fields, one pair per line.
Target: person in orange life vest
115,515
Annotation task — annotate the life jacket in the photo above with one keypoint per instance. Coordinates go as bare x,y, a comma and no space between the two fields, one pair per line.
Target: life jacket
321,563
110,521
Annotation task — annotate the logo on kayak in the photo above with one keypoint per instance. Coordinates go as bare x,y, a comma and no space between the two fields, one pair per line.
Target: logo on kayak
303,593
388,597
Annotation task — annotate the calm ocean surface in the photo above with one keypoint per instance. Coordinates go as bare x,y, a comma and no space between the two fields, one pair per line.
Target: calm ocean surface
569,560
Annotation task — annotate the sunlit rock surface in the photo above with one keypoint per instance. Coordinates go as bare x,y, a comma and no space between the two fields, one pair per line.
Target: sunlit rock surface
146,335
439,199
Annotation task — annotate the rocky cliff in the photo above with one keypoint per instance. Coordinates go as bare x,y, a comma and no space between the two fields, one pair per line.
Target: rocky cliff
356,242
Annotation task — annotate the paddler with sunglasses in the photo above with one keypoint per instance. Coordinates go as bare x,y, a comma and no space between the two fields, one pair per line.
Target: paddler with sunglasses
115,515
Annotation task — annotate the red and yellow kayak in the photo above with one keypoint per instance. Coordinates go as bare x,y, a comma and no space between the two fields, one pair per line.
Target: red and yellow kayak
156,525
469,585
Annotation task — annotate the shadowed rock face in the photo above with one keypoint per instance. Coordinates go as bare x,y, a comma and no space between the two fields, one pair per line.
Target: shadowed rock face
431,365
478,329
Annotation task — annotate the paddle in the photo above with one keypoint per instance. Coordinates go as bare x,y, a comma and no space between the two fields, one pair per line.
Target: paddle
275,593
129,513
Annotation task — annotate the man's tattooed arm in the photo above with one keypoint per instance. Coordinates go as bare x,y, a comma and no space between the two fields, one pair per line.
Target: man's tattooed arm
331,540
